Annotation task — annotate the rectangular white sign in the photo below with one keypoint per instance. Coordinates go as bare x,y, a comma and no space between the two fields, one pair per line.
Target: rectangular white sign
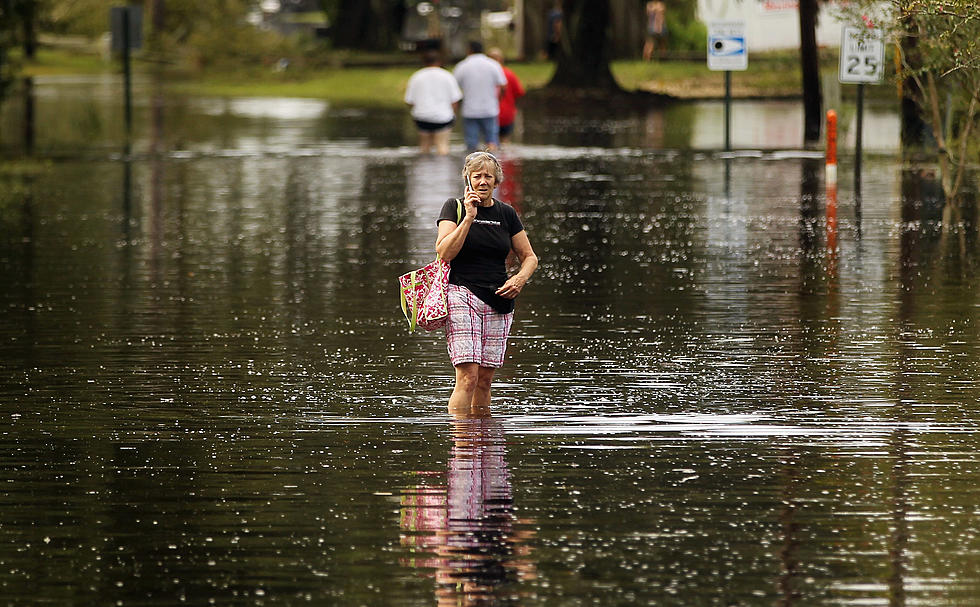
862,56
727,49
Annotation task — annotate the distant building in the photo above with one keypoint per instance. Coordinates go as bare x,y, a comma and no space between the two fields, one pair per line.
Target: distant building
772,24
451,24
291,17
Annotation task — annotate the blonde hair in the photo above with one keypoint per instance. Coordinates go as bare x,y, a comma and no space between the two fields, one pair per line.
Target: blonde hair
483,160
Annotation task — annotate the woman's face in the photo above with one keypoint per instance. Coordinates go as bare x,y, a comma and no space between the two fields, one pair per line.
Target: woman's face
483,181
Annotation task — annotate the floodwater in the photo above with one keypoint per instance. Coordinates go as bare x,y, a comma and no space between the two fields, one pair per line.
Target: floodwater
727,384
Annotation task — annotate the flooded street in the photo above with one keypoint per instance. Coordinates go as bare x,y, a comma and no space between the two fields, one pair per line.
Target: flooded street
726,385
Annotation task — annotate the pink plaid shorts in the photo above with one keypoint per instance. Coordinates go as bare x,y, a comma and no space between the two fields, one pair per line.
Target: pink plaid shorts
476,333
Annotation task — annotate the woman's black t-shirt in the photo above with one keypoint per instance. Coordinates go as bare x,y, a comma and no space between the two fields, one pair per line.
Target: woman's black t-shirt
481,264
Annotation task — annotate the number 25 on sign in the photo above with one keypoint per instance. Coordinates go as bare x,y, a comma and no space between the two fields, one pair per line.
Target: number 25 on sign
862,56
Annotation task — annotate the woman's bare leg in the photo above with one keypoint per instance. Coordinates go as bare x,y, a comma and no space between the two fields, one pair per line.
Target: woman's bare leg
442,142
467,376
425,141
481,395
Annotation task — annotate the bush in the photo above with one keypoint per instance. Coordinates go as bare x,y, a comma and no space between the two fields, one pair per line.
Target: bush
244,48
686,35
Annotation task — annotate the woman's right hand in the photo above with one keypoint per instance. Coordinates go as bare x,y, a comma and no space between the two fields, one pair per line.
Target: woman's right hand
470,201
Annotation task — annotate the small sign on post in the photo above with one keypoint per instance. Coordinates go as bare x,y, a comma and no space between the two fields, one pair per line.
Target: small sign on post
126,23
126,26
727,50
862,56
862,61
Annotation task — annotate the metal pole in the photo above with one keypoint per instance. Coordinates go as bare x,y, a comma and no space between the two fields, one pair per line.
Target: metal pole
29,115
858,137
728,110
127,74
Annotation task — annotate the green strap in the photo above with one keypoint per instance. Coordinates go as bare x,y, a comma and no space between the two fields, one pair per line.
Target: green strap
413,319
404,304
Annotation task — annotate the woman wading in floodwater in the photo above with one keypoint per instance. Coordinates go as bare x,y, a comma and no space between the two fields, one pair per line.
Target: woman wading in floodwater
481,296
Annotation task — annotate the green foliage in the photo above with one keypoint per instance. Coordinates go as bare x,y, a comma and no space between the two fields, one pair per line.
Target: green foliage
216,35
686,34
88,18
194,35
939,51
234,48
52,60
8,24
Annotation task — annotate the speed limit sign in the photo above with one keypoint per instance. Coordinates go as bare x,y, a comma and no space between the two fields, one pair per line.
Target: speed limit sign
862,56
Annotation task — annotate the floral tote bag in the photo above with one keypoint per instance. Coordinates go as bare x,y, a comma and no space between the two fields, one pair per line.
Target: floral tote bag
423,291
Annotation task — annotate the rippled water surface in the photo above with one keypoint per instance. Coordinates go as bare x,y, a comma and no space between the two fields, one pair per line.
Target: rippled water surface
727,384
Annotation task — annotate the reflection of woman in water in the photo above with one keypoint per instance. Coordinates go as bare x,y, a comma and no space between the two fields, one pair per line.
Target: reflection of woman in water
469,524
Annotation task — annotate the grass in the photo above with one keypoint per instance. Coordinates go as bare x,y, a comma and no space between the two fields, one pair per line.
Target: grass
385,86
769,75
776,75
348,86
58,61
22,167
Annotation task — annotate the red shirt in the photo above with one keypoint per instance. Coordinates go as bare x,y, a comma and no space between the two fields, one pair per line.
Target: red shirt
508,98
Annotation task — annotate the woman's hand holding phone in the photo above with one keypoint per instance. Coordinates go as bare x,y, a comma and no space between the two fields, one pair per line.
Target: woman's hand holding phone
470,200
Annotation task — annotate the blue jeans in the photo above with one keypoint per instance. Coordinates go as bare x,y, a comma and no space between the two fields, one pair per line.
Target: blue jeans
476,128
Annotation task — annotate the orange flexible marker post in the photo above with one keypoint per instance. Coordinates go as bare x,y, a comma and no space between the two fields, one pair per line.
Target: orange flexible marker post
831,146
831,187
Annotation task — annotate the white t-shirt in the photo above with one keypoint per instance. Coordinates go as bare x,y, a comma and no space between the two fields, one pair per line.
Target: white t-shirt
431,92
479,76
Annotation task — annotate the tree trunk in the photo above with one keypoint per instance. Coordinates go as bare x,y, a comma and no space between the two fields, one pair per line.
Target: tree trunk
28,15
916,134
349,27
628,21
368,24
810,64
158,13
583,58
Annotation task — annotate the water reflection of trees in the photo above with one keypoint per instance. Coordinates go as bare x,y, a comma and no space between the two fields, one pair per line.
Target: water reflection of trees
461,528
610,237
577,124
938,241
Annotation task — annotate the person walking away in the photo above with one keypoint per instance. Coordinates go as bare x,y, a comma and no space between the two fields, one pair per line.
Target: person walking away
481,295
434,95
481,79
552,34
656,35
508,97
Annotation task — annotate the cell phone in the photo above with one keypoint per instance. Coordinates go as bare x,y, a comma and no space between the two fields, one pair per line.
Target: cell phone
468,184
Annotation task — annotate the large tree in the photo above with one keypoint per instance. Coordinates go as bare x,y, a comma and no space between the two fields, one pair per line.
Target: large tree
584,54
5,42
18,26
365,24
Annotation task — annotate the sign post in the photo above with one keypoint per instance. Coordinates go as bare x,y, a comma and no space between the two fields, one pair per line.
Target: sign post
126,25
862,61
727,52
